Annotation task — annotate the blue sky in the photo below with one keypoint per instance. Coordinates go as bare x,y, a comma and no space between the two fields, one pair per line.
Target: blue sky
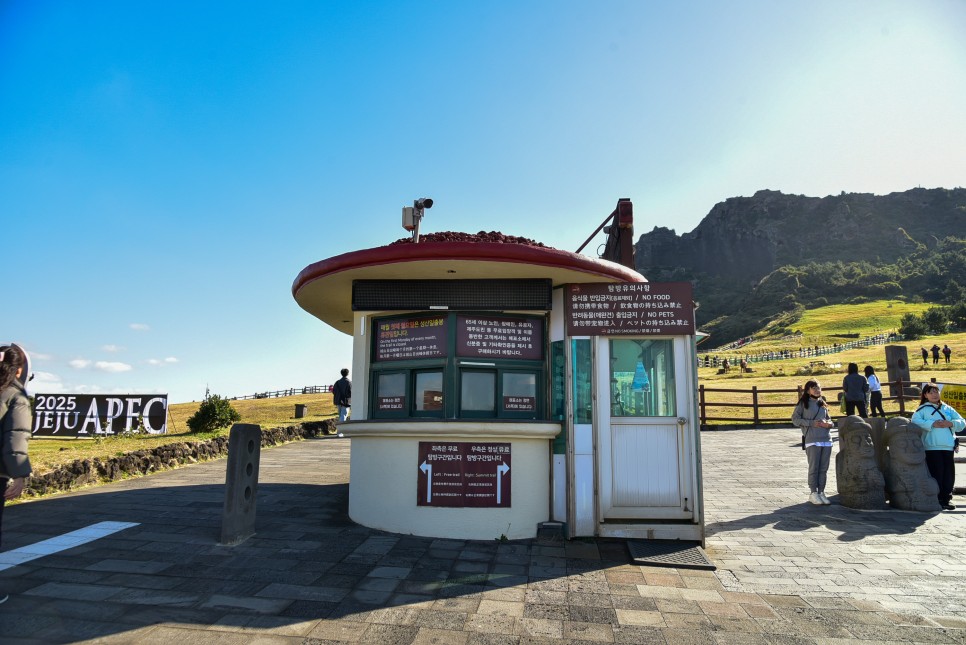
167,168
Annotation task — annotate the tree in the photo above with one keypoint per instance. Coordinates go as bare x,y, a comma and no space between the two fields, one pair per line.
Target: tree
936,320
214,413
912,326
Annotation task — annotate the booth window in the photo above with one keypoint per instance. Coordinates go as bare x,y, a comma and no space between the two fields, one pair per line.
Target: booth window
642,378
459,365
391,397
429,393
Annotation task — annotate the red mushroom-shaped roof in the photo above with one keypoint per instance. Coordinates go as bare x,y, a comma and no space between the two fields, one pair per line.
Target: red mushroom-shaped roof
324,289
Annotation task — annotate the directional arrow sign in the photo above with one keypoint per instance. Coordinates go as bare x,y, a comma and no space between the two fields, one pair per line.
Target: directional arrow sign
428,469
501,470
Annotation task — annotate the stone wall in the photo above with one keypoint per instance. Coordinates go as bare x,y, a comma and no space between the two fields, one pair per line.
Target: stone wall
141,462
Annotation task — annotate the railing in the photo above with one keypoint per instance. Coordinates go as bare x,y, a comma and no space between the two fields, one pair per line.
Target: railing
765,402
712,359
311,389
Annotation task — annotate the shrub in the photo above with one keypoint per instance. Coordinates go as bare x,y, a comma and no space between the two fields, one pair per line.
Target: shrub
214,413
936,320
912,326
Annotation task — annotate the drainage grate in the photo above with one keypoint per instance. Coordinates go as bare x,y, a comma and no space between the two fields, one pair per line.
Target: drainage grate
669,553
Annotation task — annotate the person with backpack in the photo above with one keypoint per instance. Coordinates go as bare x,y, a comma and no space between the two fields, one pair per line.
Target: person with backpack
15,425
342,395
939,424
812,416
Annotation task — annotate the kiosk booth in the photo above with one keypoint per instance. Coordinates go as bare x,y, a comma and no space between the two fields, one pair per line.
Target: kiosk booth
501,386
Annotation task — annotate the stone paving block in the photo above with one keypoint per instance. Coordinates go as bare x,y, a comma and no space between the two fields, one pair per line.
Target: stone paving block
501,608
638,635
492,624
596,632
260,625
260,605
541,628
146,567
302,592
70,591
547,612
444,620
338,631
430,636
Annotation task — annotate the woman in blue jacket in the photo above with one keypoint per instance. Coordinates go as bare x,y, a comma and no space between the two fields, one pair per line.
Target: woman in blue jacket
939,424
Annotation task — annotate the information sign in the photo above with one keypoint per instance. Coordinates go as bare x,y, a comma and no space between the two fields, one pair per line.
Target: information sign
630,308
463,474
401,339
499,337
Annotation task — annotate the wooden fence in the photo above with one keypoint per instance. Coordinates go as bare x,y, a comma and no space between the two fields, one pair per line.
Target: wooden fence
776,405
310,389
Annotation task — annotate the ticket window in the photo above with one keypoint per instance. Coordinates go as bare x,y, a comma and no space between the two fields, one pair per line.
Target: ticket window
499,393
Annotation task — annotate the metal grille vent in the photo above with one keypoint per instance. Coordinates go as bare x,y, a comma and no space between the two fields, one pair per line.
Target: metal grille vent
400,295
669,553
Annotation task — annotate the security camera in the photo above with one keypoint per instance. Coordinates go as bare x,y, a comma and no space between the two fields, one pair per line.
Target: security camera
425,202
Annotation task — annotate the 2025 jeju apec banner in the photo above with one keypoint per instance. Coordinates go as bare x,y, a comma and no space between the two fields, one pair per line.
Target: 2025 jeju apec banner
89,415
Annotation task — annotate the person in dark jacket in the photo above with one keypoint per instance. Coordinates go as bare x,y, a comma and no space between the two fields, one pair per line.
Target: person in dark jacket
855,386
342,395
925,356
15,425
935,354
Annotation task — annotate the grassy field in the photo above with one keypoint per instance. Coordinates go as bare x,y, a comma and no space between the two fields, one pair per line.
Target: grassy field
825,326
47,454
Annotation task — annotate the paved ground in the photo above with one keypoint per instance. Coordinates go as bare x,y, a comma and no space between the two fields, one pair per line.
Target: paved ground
788,572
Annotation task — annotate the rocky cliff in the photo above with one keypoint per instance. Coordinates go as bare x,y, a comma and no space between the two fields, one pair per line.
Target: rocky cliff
746,238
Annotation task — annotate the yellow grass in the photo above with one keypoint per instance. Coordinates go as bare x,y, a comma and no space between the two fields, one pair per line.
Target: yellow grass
819,327
47,454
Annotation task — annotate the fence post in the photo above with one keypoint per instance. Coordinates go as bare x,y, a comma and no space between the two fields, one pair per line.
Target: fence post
754,401
902,397
701,408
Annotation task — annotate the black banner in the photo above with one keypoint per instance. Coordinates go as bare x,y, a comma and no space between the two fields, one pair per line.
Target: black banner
88,415
629,308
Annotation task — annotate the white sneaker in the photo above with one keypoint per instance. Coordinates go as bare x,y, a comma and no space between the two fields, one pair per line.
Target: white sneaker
825,500
815,499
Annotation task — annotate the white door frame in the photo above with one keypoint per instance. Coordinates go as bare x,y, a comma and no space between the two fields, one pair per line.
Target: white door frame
645,465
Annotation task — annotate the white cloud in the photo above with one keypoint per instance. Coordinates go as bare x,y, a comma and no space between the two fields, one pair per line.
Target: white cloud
80,363
112,348
45,382
139,327
40,357
167,361
109,366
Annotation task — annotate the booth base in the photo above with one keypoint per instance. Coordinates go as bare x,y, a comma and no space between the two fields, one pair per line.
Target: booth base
652,531
678,554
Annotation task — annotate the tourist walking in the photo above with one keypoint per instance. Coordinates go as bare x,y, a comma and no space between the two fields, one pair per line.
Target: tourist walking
940,423
875,392
947,352
855,387
925,356
812,416
342,395
935,354
15,425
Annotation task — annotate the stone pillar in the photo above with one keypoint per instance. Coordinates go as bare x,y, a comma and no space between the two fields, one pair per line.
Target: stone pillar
897,365
241,483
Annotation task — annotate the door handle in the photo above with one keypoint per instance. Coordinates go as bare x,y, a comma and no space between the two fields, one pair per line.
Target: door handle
682,421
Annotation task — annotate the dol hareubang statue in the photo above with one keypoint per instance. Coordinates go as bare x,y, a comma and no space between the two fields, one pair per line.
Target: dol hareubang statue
909,485
859,481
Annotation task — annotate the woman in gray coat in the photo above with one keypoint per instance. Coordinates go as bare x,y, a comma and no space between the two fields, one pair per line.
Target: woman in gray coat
812,417
15,424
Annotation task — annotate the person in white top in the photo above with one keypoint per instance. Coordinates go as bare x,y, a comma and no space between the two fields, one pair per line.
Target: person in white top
875,392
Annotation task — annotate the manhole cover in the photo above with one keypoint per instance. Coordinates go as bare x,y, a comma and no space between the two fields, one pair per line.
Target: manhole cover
669,553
